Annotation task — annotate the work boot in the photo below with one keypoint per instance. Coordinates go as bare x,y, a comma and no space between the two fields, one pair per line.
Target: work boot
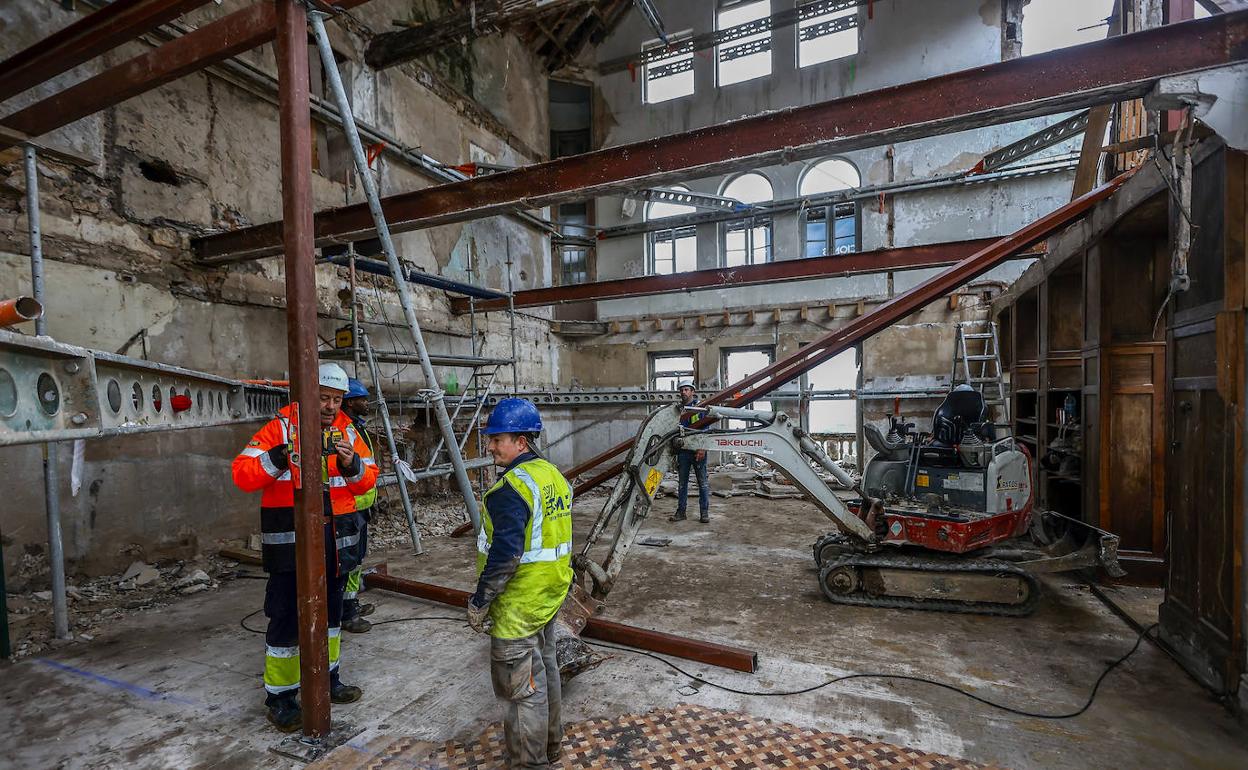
343,693
356,625
705,518
284,712
678,516
367,609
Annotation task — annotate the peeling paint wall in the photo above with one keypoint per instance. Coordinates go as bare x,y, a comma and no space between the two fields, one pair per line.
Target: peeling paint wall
199,155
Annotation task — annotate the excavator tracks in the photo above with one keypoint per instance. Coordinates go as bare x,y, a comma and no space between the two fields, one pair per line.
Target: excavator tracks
903,581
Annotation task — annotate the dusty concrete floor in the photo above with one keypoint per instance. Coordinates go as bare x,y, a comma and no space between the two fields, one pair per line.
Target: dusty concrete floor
180,688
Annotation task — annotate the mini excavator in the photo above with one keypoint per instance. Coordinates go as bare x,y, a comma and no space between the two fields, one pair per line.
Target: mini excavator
939,521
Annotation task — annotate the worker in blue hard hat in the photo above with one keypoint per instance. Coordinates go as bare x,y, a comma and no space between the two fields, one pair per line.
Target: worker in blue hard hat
355,405
524,569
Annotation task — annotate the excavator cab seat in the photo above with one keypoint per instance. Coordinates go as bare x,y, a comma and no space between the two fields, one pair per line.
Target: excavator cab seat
963,410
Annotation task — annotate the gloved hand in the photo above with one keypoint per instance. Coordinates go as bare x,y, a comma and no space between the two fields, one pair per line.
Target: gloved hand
479,618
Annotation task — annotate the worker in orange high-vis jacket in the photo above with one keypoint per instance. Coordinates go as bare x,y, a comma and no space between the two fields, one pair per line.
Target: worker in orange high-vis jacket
348,470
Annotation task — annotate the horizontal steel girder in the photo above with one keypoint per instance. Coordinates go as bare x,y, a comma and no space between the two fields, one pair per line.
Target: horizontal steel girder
85,39
880,260
50,391
210,44
787,369
1106,71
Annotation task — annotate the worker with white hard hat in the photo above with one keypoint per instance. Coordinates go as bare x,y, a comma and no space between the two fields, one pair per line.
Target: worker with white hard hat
348,471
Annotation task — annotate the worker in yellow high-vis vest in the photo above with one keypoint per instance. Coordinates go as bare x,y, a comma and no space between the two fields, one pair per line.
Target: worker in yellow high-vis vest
524,552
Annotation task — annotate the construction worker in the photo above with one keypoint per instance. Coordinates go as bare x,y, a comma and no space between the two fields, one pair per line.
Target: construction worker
355,406
524,572
347,469
687,459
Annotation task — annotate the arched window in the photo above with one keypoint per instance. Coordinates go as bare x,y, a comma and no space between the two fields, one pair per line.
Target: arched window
673,250
747,241
829,227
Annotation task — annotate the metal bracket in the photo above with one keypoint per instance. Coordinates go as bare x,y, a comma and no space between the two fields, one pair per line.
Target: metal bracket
305,749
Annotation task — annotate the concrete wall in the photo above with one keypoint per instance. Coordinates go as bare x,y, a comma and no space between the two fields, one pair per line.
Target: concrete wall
200,155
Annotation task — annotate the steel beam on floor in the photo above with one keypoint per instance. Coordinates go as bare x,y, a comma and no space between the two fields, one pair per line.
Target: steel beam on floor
212,43
722,655
787,369
880,260
85,39
1072,78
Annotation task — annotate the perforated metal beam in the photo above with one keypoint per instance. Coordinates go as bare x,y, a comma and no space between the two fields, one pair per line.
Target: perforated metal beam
50,391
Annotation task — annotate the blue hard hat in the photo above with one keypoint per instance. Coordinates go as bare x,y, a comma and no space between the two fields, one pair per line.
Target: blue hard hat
356,389
514,415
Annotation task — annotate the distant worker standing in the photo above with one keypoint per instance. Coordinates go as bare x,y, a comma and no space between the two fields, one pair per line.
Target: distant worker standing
524,571
355,406
347,470
687,459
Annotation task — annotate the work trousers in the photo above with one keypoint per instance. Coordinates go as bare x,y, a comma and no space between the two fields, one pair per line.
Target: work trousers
685,460
355,578
525,675
281,653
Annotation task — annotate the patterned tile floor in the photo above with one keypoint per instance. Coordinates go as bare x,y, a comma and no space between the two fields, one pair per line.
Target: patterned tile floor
688,736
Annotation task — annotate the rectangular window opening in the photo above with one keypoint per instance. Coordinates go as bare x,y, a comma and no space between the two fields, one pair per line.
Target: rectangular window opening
671,75
668,370
740,363
747,242
841,238
826,30
747,55
673,251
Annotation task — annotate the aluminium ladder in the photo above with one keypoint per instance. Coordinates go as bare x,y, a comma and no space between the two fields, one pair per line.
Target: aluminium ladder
397,272
977,362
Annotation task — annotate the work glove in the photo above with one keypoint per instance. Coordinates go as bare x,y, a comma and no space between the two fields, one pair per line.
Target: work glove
479,618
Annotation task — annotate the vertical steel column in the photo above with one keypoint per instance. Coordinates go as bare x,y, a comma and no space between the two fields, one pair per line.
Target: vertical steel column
397,272
355,316
301,341
51,455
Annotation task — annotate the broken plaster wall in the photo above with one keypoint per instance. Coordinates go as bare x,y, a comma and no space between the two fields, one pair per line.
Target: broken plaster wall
199,155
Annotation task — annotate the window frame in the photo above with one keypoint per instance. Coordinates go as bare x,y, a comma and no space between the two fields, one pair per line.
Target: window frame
678,374
674,234
840,211
765,38
852,11
675,41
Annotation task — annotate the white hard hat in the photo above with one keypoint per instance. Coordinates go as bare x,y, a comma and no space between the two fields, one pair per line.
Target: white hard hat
333,376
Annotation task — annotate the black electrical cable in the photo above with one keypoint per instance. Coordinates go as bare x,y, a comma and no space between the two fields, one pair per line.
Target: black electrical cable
874,675
1096,686
246,627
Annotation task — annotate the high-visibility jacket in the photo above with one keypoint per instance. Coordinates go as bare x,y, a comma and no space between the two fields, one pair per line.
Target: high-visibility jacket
368,499
255,470
540,583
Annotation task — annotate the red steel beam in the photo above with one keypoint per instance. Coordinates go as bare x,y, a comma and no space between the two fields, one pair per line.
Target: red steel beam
722,655
1081,76
295,125
212,43
85,39
880,260
788,369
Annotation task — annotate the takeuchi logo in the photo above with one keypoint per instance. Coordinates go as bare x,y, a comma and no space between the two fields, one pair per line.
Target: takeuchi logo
741,442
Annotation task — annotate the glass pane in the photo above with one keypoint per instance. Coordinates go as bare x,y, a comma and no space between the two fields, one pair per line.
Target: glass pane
673,364
816,238
686,254
827,36
828,176
746,57
749,188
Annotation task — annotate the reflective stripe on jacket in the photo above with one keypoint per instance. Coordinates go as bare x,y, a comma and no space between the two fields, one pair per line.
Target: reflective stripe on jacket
254,470
368,499
540,583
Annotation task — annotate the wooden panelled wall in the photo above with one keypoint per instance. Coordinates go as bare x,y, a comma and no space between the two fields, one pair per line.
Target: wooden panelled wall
1157,384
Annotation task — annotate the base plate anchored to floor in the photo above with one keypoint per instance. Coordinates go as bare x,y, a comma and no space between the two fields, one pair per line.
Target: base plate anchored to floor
306,749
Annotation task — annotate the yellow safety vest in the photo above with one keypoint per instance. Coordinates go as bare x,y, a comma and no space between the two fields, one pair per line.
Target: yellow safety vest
540,584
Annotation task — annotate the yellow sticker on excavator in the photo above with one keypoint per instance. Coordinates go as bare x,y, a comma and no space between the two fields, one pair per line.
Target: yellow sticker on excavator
920,480
652,481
